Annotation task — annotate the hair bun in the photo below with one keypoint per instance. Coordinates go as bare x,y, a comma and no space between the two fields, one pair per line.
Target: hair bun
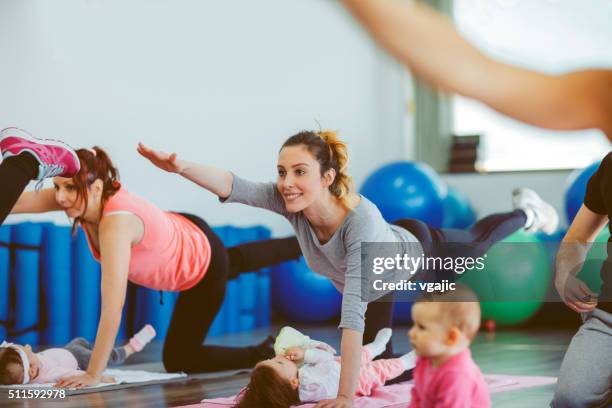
330,136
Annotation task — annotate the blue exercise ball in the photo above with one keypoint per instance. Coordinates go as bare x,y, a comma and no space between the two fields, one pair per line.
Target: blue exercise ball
576,190
303,296
407,190
458,212
552,242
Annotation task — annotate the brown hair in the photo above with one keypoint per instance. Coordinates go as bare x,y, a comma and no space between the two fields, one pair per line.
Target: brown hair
267,389
95,164
331,153
11,367
459,308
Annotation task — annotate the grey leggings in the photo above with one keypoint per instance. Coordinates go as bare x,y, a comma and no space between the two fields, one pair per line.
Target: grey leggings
81,349
586,372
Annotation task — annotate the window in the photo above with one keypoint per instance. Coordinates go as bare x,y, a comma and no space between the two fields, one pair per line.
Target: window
551,36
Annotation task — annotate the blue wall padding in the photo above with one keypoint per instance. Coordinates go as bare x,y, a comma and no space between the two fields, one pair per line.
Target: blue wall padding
248,292
247,322
149,310
5,237
86,286
55,288
248,300
264,286
218,326
264,303
232,303
57,284
26,280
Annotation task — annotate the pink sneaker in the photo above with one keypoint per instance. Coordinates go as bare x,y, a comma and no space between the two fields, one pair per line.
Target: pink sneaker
55,158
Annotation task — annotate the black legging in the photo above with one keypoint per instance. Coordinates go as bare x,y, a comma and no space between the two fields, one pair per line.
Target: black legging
477,239
15,174
197,307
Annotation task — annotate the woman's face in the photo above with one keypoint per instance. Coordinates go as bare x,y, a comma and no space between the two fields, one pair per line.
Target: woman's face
299,178
73,205
66,196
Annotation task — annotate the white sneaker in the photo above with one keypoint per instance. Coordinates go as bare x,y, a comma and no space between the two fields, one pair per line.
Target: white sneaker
541,216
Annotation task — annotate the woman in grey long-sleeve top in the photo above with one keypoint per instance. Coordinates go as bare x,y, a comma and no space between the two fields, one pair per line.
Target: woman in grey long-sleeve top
313,192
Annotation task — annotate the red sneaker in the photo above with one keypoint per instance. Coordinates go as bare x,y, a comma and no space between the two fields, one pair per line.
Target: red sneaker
55,158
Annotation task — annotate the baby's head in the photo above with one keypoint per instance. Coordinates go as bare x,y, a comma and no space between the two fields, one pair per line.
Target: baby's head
445,323
15,362
274,383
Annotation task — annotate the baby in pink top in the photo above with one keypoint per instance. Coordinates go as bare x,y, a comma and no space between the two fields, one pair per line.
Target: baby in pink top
19,365
445,375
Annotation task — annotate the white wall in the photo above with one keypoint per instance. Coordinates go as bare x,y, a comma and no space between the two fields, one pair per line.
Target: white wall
492,192
220,82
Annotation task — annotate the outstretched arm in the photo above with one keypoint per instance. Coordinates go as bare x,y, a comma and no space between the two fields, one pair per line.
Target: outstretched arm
427,43
213,179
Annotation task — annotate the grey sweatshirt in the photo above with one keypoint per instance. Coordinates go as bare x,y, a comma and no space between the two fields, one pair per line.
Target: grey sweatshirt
339,259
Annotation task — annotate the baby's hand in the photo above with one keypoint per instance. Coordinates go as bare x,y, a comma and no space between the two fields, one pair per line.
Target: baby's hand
324,346
294,353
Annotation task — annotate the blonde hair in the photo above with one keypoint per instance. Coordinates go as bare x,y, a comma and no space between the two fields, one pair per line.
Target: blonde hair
459,308
331,153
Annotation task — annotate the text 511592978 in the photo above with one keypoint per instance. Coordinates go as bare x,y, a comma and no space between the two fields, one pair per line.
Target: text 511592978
42,393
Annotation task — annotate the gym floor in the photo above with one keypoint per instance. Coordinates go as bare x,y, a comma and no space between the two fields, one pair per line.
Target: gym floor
513,352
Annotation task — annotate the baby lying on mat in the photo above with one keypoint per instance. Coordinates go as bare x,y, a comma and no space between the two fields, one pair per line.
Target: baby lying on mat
306,370
19,365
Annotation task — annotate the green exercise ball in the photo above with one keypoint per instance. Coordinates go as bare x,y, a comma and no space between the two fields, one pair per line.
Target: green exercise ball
591,270
513,284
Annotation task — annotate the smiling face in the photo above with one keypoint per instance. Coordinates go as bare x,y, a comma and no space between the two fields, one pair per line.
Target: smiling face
299,178
285,368
429,334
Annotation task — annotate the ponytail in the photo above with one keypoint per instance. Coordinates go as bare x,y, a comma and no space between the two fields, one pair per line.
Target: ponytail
95,164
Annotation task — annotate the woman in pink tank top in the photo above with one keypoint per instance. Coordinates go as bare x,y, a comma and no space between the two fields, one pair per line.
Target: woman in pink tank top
135,241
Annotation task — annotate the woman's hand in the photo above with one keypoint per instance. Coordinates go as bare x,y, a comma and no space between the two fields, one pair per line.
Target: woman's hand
576,294
295,353
79,381
339,402
161,159
108,379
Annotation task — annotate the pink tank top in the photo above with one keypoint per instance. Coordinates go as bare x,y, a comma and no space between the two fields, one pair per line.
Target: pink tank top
173,254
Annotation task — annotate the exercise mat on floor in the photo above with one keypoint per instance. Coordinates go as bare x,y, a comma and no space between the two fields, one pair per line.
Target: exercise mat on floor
136,378
398,395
